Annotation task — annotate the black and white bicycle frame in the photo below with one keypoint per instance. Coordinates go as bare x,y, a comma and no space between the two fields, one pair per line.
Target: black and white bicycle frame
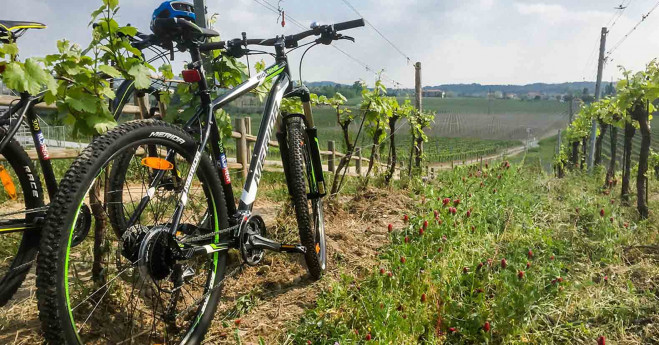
23,110
281,88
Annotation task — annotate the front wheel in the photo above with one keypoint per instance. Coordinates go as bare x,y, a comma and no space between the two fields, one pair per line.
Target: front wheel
309,212
126,282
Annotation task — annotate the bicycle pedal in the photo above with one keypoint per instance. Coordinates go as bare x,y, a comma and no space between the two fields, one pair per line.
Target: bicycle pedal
260,242
293,248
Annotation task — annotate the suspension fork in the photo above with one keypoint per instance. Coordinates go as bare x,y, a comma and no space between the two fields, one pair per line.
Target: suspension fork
317,189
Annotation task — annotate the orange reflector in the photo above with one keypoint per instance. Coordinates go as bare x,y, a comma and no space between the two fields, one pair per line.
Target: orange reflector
10,188
317,248
157,163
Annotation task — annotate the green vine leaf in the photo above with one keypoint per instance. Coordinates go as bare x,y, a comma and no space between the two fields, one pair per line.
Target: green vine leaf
110,71
142,75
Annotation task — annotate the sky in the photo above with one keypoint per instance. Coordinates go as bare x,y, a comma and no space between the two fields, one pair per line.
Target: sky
456,41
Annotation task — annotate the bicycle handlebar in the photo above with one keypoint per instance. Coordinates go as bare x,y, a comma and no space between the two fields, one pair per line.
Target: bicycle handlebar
291,40
351,24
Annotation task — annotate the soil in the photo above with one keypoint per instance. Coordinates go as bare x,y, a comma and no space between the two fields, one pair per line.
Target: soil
269,298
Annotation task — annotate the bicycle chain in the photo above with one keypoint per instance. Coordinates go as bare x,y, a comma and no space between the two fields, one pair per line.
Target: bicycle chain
209,235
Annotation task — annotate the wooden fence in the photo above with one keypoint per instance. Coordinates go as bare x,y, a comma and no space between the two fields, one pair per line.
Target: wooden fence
242,134
244,139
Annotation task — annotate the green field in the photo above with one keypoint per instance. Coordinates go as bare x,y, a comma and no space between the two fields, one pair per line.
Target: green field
494,106
463,127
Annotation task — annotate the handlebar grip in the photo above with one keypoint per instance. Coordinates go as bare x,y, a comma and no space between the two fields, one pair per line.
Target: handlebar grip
349,24
212,46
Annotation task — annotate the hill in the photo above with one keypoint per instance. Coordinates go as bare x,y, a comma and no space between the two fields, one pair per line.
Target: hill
545,88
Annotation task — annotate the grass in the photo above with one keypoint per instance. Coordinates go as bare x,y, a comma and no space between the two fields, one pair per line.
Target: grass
541,155
570,275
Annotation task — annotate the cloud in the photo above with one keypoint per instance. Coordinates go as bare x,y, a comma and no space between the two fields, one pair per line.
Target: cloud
558,14
487,41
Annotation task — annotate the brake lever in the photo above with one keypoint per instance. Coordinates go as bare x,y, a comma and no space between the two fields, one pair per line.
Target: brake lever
349,38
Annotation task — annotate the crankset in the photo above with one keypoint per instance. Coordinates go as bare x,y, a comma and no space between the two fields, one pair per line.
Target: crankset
251,226
252,241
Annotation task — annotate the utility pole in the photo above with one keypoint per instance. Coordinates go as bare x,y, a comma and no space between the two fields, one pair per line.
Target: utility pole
419,108
417,86
200,12
598,90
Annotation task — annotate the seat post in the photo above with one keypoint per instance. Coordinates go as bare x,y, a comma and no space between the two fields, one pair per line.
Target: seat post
197,64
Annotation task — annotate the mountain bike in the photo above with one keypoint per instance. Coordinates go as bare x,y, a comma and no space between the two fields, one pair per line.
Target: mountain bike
171,212
22,202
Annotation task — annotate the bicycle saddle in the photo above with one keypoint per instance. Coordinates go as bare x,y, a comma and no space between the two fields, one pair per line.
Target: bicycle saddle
10,30
174,27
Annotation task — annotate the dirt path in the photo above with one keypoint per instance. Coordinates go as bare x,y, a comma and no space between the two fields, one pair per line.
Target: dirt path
269,297
509,152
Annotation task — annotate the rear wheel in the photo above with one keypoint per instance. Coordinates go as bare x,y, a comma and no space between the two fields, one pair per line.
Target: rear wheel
21,194
309,213
128,284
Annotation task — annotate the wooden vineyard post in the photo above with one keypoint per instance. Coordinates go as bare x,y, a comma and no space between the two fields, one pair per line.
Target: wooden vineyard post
598,87
143,103
162,108
332,156
419,108
358,162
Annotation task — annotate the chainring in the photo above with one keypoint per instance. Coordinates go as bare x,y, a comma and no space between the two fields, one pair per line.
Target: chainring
254,225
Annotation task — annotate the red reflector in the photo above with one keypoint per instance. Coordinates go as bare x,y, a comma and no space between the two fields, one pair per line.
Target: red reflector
191,75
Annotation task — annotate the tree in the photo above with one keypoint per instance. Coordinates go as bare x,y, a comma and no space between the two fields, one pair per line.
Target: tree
376,110
637,92
403,111
344,118
601,107
418,122
577,132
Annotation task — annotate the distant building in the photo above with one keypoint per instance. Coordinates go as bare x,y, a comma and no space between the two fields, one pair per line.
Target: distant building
434,93
534,95
509,95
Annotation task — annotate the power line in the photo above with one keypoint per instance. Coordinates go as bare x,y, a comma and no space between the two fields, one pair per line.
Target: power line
272,8
620,11
378,31
643,18
590,58
610,24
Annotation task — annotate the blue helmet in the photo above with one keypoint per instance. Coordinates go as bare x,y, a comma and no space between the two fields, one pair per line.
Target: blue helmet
174,9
